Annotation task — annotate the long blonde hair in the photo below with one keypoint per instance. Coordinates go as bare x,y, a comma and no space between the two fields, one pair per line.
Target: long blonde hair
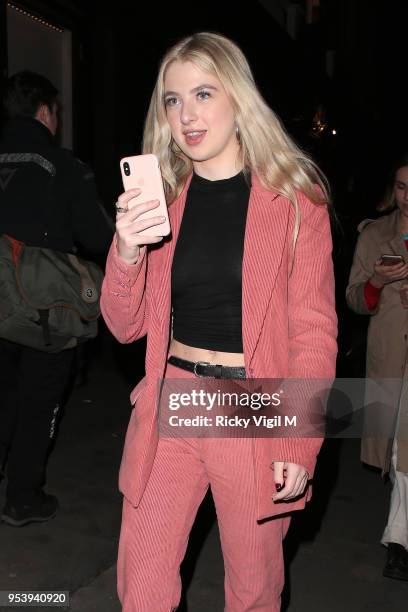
266,148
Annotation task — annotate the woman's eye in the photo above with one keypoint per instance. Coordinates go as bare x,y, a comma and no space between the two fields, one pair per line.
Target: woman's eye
170,101
204,95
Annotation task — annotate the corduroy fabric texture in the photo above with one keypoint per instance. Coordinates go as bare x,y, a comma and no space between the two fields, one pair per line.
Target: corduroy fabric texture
154,536
289,326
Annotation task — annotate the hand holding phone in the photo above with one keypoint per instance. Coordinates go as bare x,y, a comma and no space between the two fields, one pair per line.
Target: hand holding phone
143,172
142,218
388,269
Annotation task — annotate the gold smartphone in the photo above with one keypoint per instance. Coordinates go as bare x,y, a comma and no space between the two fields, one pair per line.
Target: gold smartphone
143,172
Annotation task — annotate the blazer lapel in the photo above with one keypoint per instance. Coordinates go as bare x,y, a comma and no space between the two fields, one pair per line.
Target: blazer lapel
264,246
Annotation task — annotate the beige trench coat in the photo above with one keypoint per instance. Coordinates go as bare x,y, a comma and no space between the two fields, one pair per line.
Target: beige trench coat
386,341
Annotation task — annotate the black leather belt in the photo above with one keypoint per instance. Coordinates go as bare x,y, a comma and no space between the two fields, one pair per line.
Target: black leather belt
203,368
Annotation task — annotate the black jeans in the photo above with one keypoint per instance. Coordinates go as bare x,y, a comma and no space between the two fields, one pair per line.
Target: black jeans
32,386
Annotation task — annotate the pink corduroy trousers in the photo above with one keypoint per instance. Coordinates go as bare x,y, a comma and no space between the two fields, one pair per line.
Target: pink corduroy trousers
154,535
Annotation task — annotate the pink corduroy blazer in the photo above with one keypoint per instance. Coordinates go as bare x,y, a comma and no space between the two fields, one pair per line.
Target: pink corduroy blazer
289,327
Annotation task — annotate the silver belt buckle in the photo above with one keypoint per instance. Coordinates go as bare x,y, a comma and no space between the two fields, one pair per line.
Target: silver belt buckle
200,363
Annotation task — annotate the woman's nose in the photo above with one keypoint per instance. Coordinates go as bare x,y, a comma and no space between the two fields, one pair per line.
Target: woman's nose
188,113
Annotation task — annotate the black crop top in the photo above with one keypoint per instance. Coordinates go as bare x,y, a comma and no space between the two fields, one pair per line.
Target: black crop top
207,266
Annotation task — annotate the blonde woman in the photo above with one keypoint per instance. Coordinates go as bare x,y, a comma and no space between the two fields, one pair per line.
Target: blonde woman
243,289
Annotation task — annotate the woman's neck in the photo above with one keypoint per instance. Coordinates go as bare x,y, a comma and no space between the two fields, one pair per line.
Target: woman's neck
219,168
403,223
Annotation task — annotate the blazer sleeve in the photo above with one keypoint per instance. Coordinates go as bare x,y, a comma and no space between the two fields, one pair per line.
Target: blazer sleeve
311,298
123,296
312,327
361,271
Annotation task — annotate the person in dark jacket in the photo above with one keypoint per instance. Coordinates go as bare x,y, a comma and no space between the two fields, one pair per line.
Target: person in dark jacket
47,198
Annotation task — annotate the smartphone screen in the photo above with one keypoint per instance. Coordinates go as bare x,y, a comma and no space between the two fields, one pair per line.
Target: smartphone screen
143,172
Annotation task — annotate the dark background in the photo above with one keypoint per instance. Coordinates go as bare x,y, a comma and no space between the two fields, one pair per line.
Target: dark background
117,48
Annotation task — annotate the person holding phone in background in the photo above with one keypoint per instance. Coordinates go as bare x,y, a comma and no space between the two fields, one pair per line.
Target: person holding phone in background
378,287
243,288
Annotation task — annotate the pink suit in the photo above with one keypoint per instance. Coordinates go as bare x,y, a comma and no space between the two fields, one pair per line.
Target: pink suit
289,330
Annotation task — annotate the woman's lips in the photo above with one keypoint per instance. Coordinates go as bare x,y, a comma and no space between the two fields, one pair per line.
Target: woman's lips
194,137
